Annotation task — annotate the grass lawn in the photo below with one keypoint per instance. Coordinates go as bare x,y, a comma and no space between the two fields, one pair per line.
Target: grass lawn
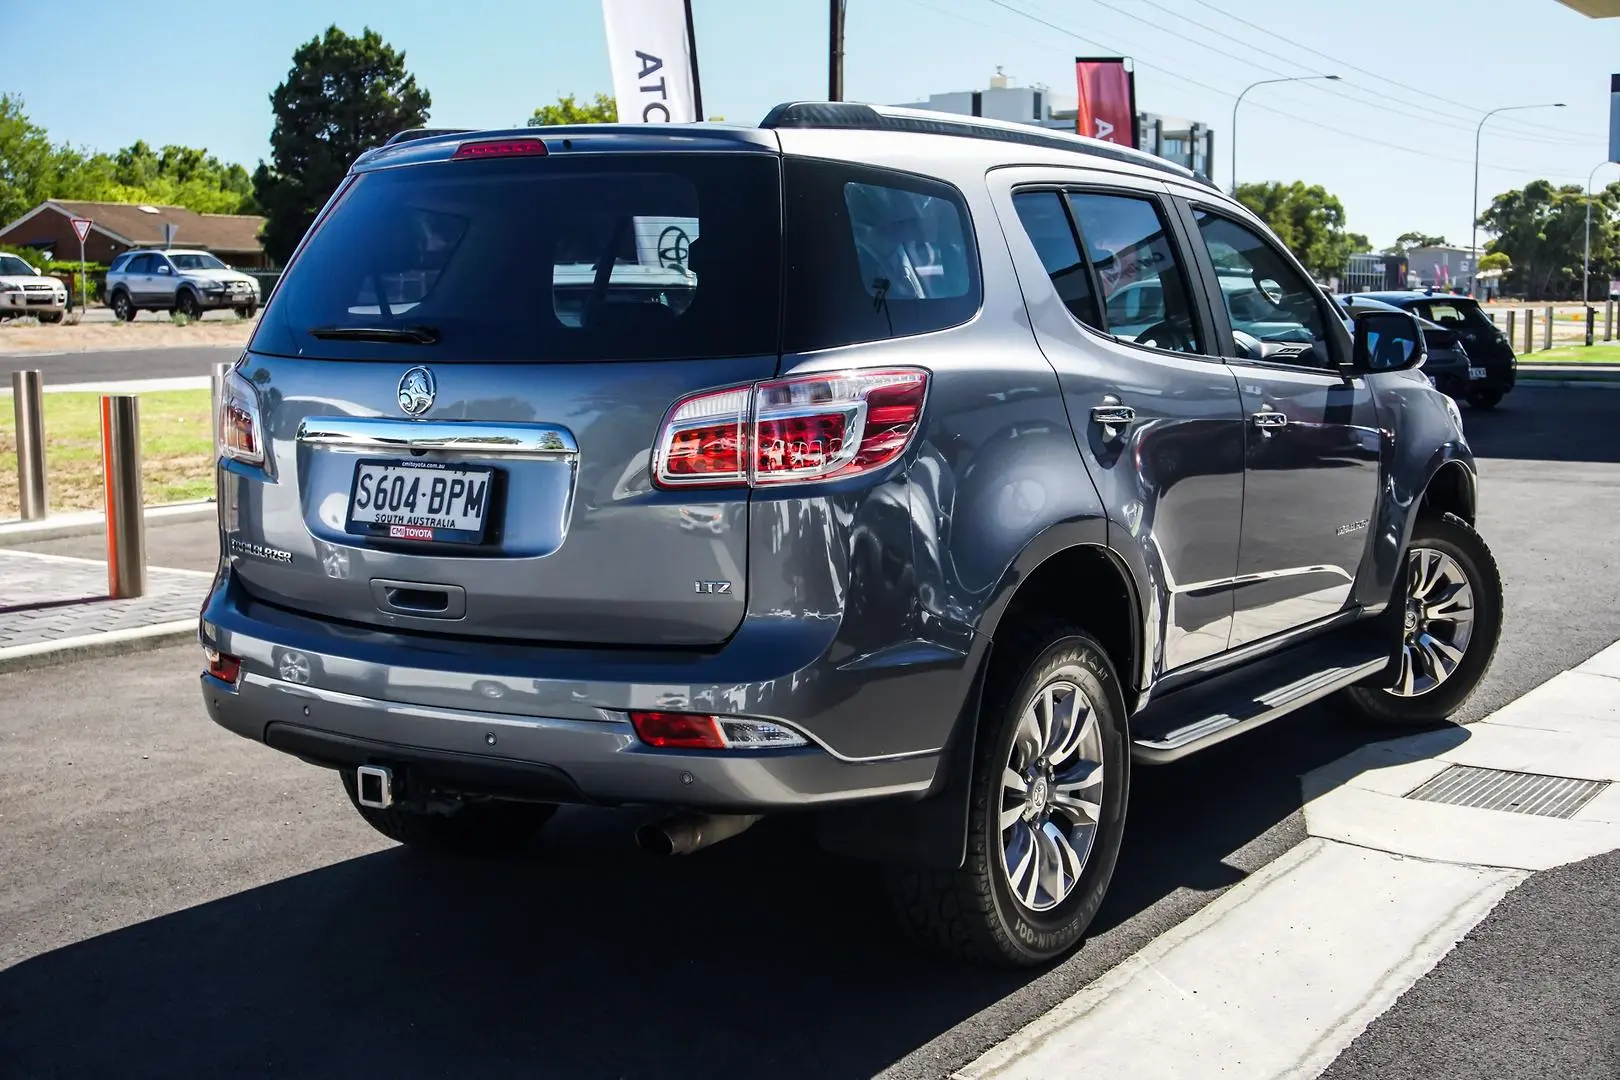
176,450
1599,353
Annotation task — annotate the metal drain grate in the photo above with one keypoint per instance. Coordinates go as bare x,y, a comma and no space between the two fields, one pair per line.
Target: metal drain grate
1514,792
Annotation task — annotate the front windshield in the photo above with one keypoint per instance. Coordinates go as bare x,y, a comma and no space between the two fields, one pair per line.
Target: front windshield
11,266
197,262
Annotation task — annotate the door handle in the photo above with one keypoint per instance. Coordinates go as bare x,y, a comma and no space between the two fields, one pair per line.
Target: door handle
1269,419
1112,415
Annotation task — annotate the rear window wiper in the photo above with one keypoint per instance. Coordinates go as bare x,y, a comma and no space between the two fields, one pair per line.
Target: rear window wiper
408,335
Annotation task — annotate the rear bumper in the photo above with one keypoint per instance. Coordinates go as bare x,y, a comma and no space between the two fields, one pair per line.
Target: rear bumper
486,717
547,758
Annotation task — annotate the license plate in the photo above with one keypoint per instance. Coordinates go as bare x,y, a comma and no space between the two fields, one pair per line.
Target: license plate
426,501
1476,373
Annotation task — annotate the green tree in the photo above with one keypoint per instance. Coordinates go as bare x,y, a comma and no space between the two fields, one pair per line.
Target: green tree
601,109
1542,229
1495,260
1408,240
1309,220
29,164
343,96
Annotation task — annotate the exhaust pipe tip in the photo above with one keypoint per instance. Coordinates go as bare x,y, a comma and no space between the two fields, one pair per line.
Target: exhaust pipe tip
654,840
685,833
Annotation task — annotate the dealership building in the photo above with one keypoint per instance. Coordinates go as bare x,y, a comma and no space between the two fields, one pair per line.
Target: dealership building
1185,142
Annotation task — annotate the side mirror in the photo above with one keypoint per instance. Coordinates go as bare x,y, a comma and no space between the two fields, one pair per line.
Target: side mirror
163,269
1388,341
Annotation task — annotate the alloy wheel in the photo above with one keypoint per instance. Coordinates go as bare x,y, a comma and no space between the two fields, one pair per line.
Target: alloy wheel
1051,793
1438,621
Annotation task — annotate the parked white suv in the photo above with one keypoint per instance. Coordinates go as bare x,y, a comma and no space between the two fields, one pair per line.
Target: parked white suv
25,291
186,282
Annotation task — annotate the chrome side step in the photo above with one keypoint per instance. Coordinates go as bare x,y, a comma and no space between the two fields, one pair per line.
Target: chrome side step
1204,714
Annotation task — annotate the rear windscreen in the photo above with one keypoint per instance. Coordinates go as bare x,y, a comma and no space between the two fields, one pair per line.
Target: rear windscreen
595,257
1454,314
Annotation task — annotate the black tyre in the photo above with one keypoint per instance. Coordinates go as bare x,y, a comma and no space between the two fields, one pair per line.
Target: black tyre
247,312
1447,617
188,305
1047,813
1485,399
123,307
476,828
51,318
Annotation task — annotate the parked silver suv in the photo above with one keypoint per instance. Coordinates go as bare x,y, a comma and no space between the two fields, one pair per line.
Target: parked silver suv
823,473
184,282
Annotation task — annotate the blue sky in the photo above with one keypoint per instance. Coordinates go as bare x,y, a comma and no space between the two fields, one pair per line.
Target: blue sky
489,62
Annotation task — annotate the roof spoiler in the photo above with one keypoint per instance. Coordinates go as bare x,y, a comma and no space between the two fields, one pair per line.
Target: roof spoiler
412,134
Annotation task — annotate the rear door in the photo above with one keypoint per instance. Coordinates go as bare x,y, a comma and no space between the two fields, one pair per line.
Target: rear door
1311,437
138,278
462,378
1154,408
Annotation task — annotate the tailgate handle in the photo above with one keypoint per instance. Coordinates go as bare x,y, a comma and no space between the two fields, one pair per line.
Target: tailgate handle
418,599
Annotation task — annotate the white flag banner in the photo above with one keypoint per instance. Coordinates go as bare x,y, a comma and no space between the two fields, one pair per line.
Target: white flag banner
655,75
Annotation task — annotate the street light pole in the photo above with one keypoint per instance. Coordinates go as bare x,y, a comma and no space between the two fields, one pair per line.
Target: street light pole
1586,263
1473,207
835,51
1239,101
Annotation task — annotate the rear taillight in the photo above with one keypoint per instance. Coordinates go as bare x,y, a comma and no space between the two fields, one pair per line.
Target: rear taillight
811,427
222,666
240,425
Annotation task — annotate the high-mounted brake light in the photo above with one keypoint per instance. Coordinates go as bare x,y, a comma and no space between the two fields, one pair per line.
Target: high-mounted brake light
489,148
808,428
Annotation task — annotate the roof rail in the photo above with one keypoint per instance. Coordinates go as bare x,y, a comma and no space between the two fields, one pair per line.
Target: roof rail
857,117
412,134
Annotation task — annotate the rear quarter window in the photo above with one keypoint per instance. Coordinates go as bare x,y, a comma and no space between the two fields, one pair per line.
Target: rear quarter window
871,254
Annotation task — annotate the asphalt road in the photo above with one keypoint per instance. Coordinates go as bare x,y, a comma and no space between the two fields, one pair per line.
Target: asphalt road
180,901
109,364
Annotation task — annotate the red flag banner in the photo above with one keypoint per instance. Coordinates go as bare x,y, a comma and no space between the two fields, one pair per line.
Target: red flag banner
1107,100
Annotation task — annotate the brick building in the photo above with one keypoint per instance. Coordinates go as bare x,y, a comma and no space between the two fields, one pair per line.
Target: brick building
121,226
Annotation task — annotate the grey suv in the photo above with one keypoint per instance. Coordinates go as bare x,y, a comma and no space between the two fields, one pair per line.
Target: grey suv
970,553
185,282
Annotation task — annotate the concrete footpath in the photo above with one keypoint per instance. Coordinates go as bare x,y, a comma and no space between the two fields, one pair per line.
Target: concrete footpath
54,605
1412,843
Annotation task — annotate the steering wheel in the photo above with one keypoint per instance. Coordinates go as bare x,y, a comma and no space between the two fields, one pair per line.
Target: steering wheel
1172,335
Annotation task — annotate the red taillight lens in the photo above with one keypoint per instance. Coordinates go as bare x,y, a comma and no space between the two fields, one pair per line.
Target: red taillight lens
491,148
678,731
814,427
238,421
703,440
222,666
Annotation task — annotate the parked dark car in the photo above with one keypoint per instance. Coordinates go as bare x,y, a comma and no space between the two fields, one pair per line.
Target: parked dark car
881,509
1448,367
1488,347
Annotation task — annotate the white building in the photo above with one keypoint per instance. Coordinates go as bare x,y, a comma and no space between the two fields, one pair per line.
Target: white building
1185,142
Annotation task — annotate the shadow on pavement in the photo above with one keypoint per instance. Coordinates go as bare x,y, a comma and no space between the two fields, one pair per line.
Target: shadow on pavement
1548,424
759,957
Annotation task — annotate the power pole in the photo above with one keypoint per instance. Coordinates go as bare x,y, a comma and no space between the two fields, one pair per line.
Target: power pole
835,52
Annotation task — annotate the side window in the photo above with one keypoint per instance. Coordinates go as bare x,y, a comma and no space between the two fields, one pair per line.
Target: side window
140,264
1046,223
1270,302
160,264
1144,287
871,254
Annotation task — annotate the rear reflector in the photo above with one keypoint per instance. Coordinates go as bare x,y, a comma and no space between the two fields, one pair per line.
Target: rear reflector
813,427
490,148
695,731
678,731
222,666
